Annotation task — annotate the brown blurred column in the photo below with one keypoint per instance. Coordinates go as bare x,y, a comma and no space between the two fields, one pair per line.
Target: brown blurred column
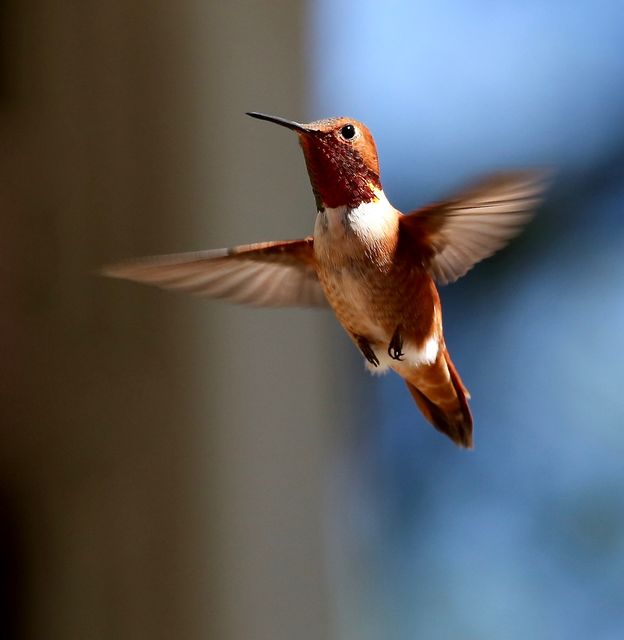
162,457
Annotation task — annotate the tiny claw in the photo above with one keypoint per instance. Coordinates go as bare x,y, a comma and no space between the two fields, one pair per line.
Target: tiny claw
395,348
367,351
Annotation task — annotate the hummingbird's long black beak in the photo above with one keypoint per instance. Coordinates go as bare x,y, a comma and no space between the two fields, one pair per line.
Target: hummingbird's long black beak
289,124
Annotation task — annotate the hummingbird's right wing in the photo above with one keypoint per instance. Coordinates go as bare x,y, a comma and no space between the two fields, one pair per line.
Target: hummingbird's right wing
453,235
267,274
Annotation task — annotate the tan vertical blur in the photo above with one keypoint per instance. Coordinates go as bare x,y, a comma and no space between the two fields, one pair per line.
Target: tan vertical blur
161,458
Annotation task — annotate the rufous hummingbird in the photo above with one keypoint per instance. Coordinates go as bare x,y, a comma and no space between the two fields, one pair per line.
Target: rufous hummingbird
373,265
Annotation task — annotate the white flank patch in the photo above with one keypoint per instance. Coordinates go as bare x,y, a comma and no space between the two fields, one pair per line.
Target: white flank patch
430,352
383,366
412,357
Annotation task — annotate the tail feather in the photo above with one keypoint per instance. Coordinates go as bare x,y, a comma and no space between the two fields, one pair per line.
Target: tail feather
442,397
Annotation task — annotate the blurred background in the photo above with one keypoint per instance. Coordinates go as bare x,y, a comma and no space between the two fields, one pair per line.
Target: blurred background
172,467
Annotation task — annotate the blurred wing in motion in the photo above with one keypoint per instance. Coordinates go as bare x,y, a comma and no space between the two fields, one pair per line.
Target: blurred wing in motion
456,234
268,274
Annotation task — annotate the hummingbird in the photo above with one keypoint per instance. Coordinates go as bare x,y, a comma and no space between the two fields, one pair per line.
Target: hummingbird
376,267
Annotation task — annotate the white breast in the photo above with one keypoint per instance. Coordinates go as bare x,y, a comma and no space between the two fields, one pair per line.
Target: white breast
373,221
346,233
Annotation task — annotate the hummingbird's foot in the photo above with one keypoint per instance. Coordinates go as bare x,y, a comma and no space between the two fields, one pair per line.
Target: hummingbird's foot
395,348
367,350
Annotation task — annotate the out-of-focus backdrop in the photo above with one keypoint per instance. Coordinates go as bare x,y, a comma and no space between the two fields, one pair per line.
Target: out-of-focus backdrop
176,468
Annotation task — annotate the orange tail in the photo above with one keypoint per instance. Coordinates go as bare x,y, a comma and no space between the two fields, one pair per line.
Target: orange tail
442,397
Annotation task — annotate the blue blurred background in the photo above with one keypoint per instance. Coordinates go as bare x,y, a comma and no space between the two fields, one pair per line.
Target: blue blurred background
524,537
179,468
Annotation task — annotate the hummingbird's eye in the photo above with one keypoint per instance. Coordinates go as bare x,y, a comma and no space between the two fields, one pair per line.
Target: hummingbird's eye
347,132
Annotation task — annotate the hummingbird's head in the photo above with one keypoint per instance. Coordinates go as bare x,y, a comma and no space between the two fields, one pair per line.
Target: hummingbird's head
341,157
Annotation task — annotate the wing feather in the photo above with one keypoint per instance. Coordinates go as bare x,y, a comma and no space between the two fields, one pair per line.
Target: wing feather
456,234
269,274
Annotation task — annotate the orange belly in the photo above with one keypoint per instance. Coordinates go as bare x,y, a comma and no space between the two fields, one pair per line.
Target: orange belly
372,302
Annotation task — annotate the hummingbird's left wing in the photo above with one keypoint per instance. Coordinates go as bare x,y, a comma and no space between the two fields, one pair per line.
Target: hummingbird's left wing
453,235
267,274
